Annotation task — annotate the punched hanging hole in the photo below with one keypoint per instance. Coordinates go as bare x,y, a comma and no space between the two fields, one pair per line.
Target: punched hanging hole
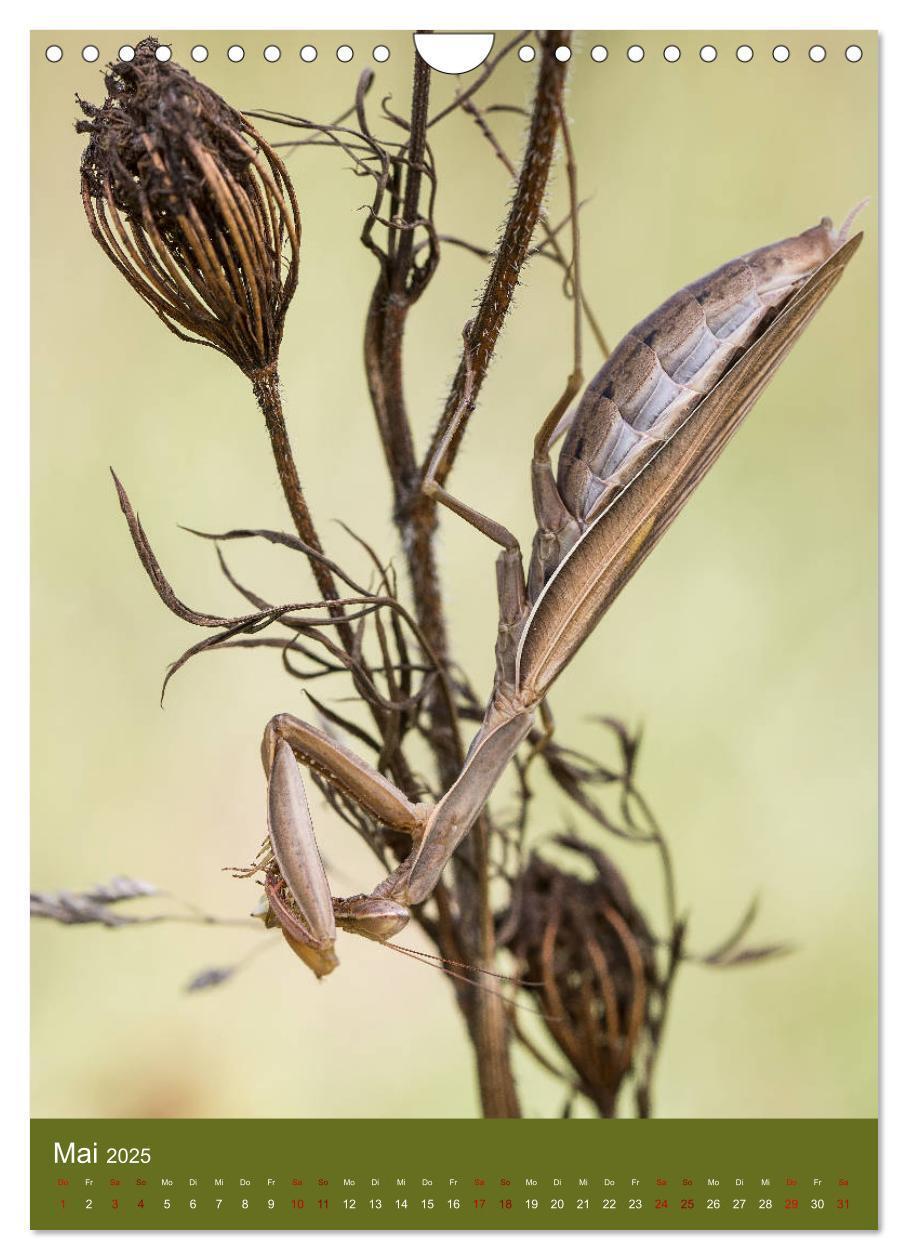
854,52
199,52
90,53
308,52
381,52
599,52
453,52
53,52
271,52
744,53
817,53
345,53
635,53
236,52
526,52
780,53
708,53
163,52
671,52
126,53
562,53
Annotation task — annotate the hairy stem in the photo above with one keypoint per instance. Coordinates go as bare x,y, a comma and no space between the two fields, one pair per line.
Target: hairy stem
525,213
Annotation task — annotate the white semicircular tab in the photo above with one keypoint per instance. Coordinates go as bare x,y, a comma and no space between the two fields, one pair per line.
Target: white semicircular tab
453,52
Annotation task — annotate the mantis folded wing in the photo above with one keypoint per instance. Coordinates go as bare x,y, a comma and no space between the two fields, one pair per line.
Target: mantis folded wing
597,567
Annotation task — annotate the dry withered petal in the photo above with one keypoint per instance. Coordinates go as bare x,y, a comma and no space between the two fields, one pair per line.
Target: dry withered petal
588,954
193,207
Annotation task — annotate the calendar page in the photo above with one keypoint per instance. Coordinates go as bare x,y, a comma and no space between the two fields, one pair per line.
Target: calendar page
453,784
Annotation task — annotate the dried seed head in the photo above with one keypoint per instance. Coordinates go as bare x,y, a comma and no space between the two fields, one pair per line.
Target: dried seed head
588,953
193,207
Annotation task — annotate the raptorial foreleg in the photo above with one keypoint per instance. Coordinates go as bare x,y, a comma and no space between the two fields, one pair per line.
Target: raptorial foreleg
298,890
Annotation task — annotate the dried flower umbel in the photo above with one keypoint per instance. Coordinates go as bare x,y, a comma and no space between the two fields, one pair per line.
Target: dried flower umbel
193,207
196,210
587,954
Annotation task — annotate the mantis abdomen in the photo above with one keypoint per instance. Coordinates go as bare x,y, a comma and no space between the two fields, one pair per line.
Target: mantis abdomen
660,372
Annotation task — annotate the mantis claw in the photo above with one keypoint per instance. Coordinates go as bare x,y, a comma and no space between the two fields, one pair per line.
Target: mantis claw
296,885
312,933
319,956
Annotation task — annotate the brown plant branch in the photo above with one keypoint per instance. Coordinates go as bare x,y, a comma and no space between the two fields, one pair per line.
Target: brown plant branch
481,79
513,248
267,394
549,230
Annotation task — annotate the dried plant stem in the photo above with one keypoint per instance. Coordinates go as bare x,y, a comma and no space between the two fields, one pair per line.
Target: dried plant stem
526,209
489,1023
395,293
550,231
266,387
420,516
417,519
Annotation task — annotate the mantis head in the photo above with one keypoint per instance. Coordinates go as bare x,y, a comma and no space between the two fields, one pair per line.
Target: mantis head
377,918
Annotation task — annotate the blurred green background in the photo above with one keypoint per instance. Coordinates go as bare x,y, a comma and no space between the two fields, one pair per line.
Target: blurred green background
746,647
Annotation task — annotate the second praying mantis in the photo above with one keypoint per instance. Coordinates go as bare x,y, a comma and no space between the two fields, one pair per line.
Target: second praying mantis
646,430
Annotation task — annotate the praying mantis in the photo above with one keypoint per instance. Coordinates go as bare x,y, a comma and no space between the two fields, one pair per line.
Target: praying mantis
646,430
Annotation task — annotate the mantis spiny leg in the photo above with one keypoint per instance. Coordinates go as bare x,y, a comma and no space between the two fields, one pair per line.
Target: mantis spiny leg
300,897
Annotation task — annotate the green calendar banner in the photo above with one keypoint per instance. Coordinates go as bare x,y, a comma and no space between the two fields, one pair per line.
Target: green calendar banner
424,1174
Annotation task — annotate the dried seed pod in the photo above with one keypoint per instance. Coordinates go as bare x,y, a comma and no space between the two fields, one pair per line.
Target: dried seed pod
193,207
587,952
